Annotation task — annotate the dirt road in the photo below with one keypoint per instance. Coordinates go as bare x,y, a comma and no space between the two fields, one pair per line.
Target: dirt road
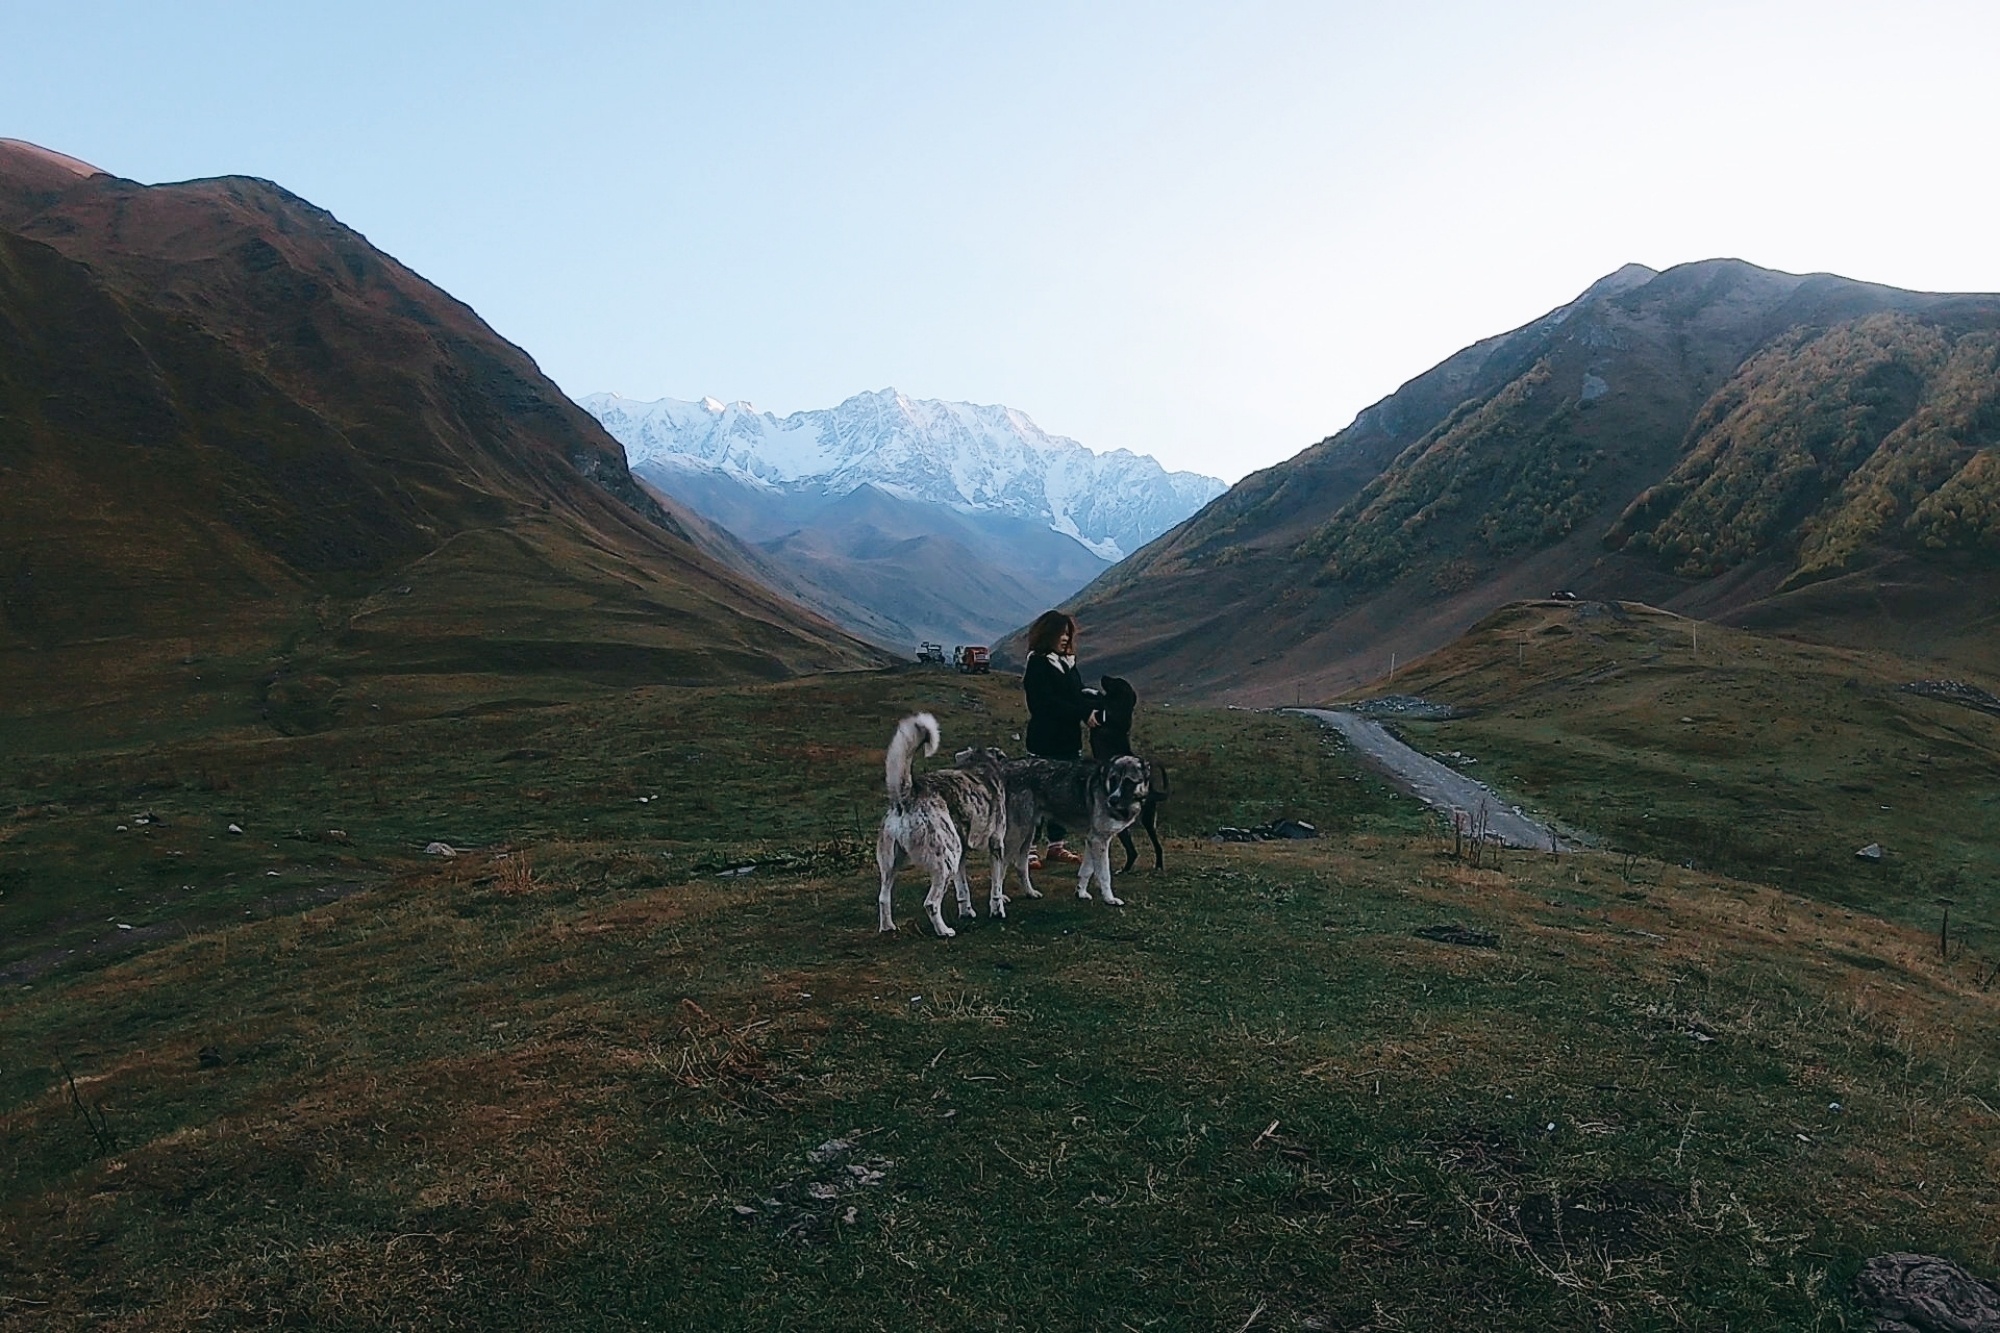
1437,785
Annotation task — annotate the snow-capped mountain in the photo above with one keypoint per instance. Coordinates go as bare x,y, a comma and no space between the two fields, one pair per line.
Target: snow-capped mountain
970,458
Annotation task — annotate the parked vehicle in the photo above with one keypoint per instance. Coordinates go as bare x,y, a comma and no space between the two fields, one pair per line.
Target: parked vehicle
973,659
930,652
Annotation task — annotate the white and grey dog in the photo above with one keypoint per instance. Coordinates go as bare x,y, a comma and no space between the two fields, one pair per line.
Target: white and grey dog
1098,800
932,821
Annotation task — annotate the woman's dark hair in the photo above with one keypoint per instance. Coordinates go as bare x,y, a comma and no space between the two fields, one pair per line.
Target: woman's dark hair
1048,630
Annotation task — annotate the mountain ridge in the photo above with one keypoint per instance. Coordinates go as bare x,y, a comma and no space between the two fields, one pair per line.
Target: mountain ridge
964,455
1514,467
234,431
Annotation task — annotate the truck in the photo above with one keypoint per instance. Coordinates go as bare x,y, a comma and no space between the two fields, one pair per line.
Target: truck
973,659
930,652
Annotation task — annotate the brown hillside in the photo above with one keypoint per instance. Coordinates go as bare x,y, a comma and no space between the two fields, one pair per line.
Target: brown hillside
232,431
1807,454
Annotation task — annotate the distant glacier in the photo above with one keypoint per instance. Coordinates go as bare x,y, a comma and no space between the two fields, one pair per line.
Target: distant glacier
971,458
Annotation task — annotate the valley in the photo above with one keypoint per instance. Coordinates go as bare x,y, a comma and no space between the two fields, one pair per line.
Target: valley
905,519
591,1070
437,836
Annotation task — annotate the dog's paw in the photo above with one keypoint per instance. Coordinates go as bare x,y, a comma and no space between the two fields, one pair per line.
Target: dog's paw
1110,901
1083,894
945,932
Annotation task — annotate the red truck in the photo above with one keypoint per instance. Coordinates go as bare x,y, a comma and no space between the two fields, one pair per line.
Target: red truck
973,659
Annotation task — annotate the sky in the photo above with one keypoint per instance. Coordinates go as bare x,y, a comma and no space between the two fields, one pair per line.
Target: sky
1211,233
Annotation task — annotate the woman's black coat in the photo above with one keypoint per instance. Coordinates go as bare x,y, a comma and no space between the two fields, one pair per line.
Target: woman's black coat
1057,706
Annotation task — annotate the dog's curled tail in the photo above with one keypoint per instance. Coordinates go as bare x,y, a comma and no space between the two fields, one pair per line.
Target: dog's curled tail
914,730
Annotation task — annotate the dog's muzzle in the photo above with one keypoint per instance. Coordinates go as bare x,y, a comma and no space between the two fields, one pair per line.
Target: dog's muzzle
1127,797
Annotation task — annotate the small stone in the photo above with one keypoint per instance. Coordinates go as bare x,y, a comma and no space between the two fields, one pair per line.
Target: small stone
440,849
1834,1107
1926,1294
1872,852
236,829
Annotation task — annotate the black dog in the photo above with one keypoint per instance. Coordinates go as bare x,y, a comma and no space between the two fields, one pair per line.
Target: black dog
1113,737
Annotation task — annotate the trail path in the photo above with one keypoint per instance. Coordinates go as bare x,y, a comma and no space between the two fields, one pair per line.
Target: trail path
1437,785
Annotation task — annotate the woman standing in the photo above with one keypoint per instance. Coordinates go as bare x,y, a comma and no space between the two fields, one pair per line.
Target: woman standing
1057,703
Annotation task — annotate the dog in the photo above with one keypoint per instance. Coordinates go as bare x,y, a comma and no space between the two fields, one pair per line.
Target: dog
1113,737
931,820
1098,799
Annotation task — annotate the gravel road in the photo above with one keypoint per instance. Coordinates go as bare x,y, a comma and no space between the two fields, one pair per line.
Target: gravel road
1437,785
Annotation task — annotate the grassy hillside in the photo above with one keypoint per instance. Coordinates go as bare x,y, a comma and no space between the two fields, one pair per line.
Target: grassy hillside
577,1077
233,432
1719,439
1754,756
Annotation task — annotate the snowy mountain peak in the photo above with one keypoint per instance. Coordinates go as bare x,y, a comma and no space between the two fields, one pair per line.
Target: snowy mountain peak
968,456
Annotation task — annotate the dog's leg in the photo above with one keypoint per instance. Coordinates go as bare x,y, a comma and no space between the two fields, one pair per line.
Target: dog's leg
1088,869
1131,852
941,874
1151,812
1020,846
888,855
1097,856
996,854
964,888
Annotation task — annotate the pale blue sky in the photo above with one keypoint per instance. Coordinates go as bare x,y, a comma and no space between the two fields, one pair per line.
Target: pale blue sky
1211,233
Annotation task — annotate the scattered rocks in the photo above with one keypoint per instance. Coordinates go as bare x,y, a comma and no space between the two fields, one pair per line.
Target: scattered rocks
1954,692
1921,1293
236,830
1277,830
805,1207
440,849
1872,852
1409,706
1468,936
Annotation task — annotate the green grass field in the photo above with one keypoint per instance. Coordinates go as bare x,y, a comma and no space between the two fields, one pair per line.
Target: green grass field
577,1077
1754,756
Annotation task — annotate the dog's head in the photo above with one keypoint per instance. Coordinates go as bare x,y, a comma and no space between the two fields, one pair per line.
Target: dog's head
1125,780
1120,701
979,756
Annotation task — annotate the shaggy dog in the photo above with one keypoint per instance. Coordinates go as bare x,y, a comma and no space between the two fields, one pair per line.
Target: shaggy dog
1112,738
923,822
1100,799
